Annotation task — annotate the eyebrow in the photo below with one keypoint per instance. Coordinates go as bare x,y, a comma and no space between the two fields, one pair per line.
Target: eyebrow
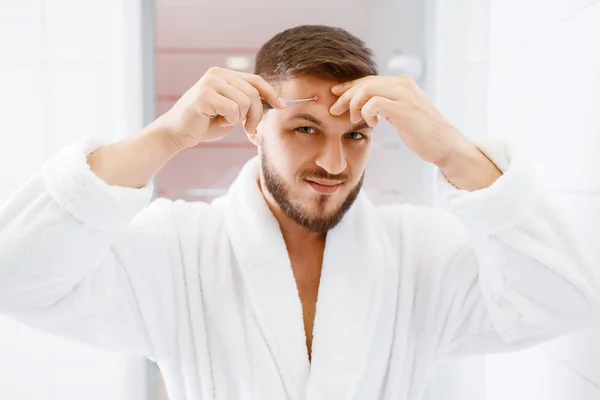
310,118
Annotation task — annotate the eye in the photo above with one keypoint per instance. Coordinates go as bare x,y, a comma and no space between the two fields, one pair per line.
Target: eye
355,136
305,129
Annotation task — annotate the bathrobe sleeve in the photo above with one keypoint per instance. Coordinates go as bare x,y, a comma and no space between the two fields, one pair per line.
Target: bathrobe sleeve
508,272
85,260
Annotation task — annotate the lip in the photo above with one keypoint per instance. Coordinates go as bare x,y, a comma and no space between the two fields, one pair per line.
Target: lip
323,186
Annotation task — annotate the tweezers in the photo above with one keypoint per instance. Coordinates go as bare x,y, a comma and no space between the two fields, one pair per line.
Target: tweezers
267,106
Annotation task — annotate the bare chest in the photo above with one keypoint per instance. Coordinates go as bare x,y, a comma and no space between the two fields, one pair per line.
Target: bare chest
307,273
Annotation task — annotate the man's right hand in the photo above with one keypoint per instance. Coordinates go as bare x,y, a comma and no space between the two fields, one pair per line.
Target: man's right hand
230,96
221,99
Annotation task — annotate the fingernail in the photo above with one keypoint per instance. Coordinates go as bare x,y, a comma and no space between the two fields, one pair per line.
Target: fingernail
333,110
281,102
336,88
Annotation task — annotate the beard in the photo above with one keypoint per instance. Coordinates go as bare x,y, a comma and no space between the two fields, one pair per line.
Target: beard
314,219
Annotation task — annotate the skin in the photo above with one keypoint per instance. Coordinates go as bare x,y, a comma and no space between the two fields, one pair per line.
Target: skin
306,139
327,141
305,144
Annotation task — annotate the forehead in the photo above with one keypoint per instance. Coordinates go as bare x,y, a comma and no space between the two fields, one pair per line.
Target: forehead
306,87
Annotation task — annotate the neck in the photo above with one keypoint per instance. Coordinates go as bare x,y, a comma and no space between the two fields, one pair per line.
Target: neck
293,233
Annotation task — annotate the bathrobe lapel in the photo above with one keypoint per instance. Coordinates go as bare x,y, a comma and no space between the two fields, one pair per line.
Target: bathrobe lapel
261,252
353,282
351,287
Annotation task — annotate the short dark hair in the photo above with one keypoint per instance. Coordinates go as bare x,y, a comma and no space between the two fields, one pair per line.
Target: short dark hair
314,50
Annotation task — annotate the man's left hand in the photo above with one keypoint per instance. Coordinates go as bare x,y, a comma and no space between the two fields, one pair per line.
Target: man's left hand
423,129
400,100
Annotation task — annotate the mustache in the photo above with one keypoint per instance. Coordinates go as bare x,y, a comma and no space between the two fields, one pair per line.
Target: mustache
322,174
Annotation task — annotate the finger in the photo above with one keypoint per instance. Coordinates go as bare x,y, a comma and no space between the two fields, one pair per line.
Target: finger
236,95
359,99
355,97
358,102
342,104
255,112
338,90
227,110
372,121
265,90
377,106
364,93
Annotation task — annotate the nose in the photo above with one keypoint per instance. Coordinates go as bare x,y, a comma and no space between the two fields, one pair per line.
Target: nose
332,158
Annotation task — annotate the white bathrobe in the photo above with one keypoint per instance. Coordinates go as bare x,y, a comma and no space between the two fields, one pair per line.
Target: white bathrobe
208,292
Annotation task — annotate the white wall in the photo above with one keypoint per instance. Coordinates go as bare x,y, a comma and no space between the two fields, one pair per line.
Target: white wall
458,70
545,96
526,71
67,68
396,25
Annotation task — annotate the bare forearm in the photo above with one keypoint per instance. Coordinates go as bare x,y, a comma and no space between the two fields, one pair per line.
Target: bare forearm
468,168
134,161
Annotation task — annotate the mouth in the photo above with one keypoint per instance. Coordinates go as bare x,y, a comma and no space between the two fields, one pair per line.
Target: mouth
323,186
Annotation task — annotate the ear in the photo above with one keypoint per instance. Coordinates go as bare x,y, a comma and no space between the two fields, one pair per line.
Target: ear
254,137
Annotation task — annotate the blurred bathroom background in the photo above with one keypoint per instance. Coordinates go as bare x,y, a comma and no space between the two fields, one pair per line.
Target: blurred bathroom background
521,70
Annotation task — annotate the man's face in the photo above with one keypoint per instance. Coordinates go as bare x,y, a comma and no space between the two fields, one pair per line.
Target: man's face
312,162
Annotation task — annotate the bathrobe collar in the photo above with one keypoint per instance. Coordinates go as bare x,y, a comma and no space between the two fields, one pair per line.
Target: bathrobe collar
349,298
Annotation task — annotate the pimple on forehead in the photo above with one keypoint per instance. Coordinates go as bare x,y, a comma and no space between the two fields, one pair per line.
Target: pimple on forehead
305,88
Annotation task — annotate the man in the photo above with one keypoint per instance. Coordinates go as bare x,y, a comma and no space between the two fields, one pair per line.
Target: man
293,286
